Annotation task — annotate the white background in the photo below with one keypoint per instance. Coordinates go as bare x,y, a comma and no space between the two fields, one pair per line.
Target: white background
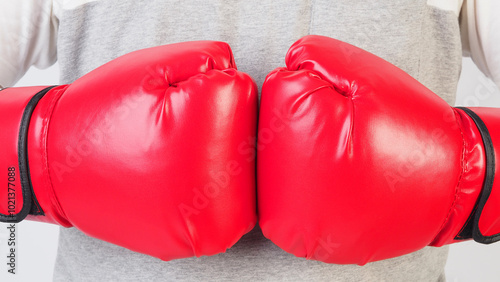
37,242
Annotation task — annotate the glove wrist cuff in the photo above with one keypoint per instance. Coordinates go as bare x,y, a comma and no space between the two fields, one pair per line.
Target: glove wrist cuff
17,105
20,200
484,225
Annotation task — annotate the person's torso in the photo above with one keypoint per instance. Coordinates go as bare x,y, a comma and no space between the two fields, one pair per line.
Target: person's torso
421,37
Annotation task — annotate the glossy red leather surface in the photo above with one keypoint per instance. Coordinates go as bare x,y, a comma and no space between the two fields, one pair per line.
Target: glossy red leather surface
143,151
360,161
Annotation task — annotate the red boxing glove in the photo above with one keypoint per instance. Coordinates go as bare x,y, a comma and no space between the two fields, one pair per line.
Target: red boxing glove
359,162
141,152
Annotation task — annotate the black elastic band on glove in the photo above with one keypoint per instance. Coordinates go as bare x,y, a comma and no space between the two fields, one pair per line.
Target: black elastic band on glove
471,230
30,203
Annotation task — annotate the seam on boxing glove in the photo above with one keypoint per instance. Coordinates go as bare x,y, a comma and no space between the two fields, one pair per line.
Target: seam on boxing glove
45,165
36,209
457,187
463,167
30,203
465,232
487,184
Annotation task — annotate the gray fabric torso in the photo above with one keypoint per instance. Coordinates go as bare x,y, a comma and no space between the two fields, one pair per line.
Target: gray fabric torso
422,40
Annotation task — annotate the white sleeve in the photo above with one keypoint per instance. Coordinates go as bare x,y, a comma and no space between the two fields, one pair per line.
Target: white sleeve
28,36
480,30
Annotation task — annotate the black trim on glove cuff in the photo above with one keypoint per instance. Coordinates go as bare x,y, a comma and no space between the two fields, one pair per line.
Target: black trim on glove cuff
30,203
471,230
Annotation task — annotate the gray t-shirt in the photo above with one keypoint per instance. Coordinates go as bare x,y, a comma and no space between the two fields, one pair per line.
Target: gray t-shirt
420,38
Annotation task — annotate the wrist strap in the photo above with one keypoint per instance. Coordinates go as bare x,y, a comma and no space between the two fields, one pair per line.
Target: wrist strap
471,229
30,203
